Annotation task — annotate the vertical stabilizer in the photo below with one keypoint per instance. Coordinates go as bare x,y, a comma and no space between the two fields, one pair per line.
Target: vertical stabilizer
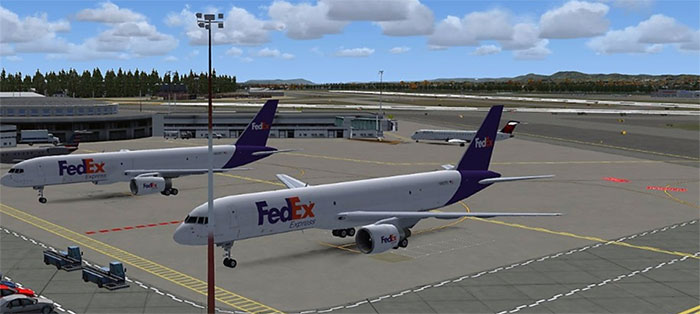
478,154
257,131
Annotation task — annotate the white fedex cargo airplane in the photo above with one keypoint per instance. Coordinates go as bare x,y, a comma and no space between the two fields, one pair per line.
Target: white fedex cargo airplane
460,136
148,171
385,208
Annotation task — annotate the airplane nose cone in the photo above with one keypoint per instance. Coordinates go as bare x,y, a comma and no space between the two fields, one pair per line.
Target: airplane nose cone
182,235
6,180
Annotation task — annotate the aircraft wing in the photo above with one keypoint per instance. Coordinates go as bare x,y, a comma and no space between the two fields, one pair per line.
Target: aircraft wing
173,173
290,182
366,215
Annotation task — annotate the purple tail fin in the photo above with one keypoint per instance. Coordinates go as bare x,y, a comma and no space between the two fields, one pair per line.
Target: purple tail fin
257,131
478,154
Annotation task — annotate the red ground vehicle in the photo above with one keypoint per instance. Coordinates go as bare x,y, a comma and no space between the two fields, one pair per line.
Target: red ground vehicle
5,291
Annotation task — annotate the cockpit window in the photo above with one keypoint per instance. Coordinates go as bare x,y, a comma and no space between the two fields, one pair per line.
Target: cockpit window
16,170
196,220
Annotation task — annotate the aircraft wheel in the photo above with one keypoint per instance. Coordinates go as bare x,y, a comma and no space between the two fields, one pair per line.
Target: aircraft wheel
343,233
42,200
351,232
461,144
335,233
165,192
174,191
230,262
403,243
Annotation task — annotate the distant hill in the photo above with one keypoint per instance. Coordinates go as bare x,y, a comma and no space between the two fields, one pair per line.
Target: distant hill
570,75
298,81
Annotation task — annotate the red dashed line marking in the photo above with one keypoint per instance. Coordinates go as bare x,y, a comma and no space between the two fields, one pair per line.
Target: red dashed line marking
174,222
666,188
618,180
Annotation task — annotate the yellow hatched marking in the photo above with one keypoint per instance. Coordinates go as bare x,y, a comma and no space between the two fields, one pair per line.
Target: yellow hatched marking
146,265
251,179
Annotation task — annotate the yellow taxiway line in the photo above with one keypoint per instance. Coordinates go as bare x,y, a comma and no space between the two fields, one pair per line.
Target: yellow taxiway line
229,298
694,310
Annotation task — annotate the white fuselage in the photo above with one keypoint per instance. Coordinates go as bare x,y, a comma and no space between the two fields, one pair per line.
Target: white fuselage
110,167
264,213
446,135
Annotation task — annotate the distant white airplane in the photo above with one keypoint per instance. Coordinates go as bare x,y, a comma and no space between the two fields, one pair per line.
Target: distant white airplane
148,171
461,137
385,208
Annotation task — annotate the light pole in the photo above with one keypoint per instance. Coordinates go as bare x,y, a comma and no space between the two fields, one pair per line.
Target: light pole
205,21
381,74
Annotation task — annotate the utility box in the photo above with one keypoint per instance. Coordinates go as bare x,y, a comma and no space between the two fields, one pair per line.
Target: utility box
67,260
112,277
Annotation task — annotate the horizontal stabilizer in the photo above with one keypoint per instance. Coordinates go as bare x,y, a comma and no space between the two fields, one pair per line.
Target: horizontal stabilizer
174,173
508,179
369,216
290,182
270,152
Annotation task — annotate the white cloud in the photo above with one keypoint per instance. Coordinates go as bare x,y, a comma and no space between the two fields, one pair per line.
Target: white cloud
474,27
240,28
367,10
194,53
693,44
419,21
273,53
170,59
14,58
538,52
32,32
233,51
575,19
487,50
661,29
267,52
109,13
398,50
354,52
303,20
646,37
7,50
525,36
316,50
50,44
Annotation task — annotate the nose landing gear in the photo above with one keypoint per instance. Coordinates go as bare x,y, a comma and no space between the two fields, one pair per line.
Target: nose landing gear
228,261
40,190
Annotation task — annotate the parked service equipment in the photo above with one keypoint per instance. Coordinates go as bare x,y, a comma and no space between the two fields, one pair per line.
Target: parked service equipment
68,261
112,277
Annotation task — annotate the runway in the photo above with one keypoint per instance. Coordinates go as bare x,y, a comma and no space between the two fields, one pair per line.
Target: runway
313,271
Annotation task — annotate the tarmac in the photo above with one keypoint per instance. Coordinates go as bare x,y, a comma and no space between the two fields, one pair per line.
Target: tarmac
616,203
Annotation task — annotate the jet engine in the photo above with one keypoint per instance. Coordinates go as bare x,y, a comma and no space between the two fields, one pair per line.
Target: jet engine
147,185
372,239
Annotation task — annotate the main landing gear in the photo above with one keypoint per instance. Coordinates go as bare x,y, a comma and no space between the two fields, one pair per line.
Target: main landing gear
40,190
342,233
169,189
228,261
404,241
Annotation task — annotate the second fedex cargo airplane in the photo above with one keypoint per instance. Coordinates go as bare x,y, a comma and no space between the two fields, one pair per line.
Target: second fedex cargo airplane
461,137
385,208
148,171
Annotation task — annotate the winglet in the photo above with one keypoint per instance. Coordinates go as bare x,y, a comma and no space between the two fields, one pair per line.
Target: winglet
510,127
257,131
478,154
290,182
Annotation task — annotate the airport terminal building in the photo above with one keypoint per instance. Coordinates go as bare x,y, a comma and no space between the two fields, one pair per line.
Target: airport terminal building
286,125
103,121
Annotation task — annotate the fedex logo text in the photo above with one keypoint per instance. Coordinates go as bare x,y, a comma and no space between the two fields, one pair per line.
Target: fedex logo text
151,185
483,143
259,126
86,167
391,238
293,211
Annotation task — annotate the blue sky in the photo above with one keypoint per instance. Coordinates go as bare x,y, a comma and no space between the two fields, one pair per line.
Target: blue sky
351,40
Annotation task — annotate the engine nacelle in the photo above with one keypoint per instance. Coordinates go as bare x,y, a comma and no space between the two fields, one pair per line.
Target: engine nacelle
372,239
147,185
